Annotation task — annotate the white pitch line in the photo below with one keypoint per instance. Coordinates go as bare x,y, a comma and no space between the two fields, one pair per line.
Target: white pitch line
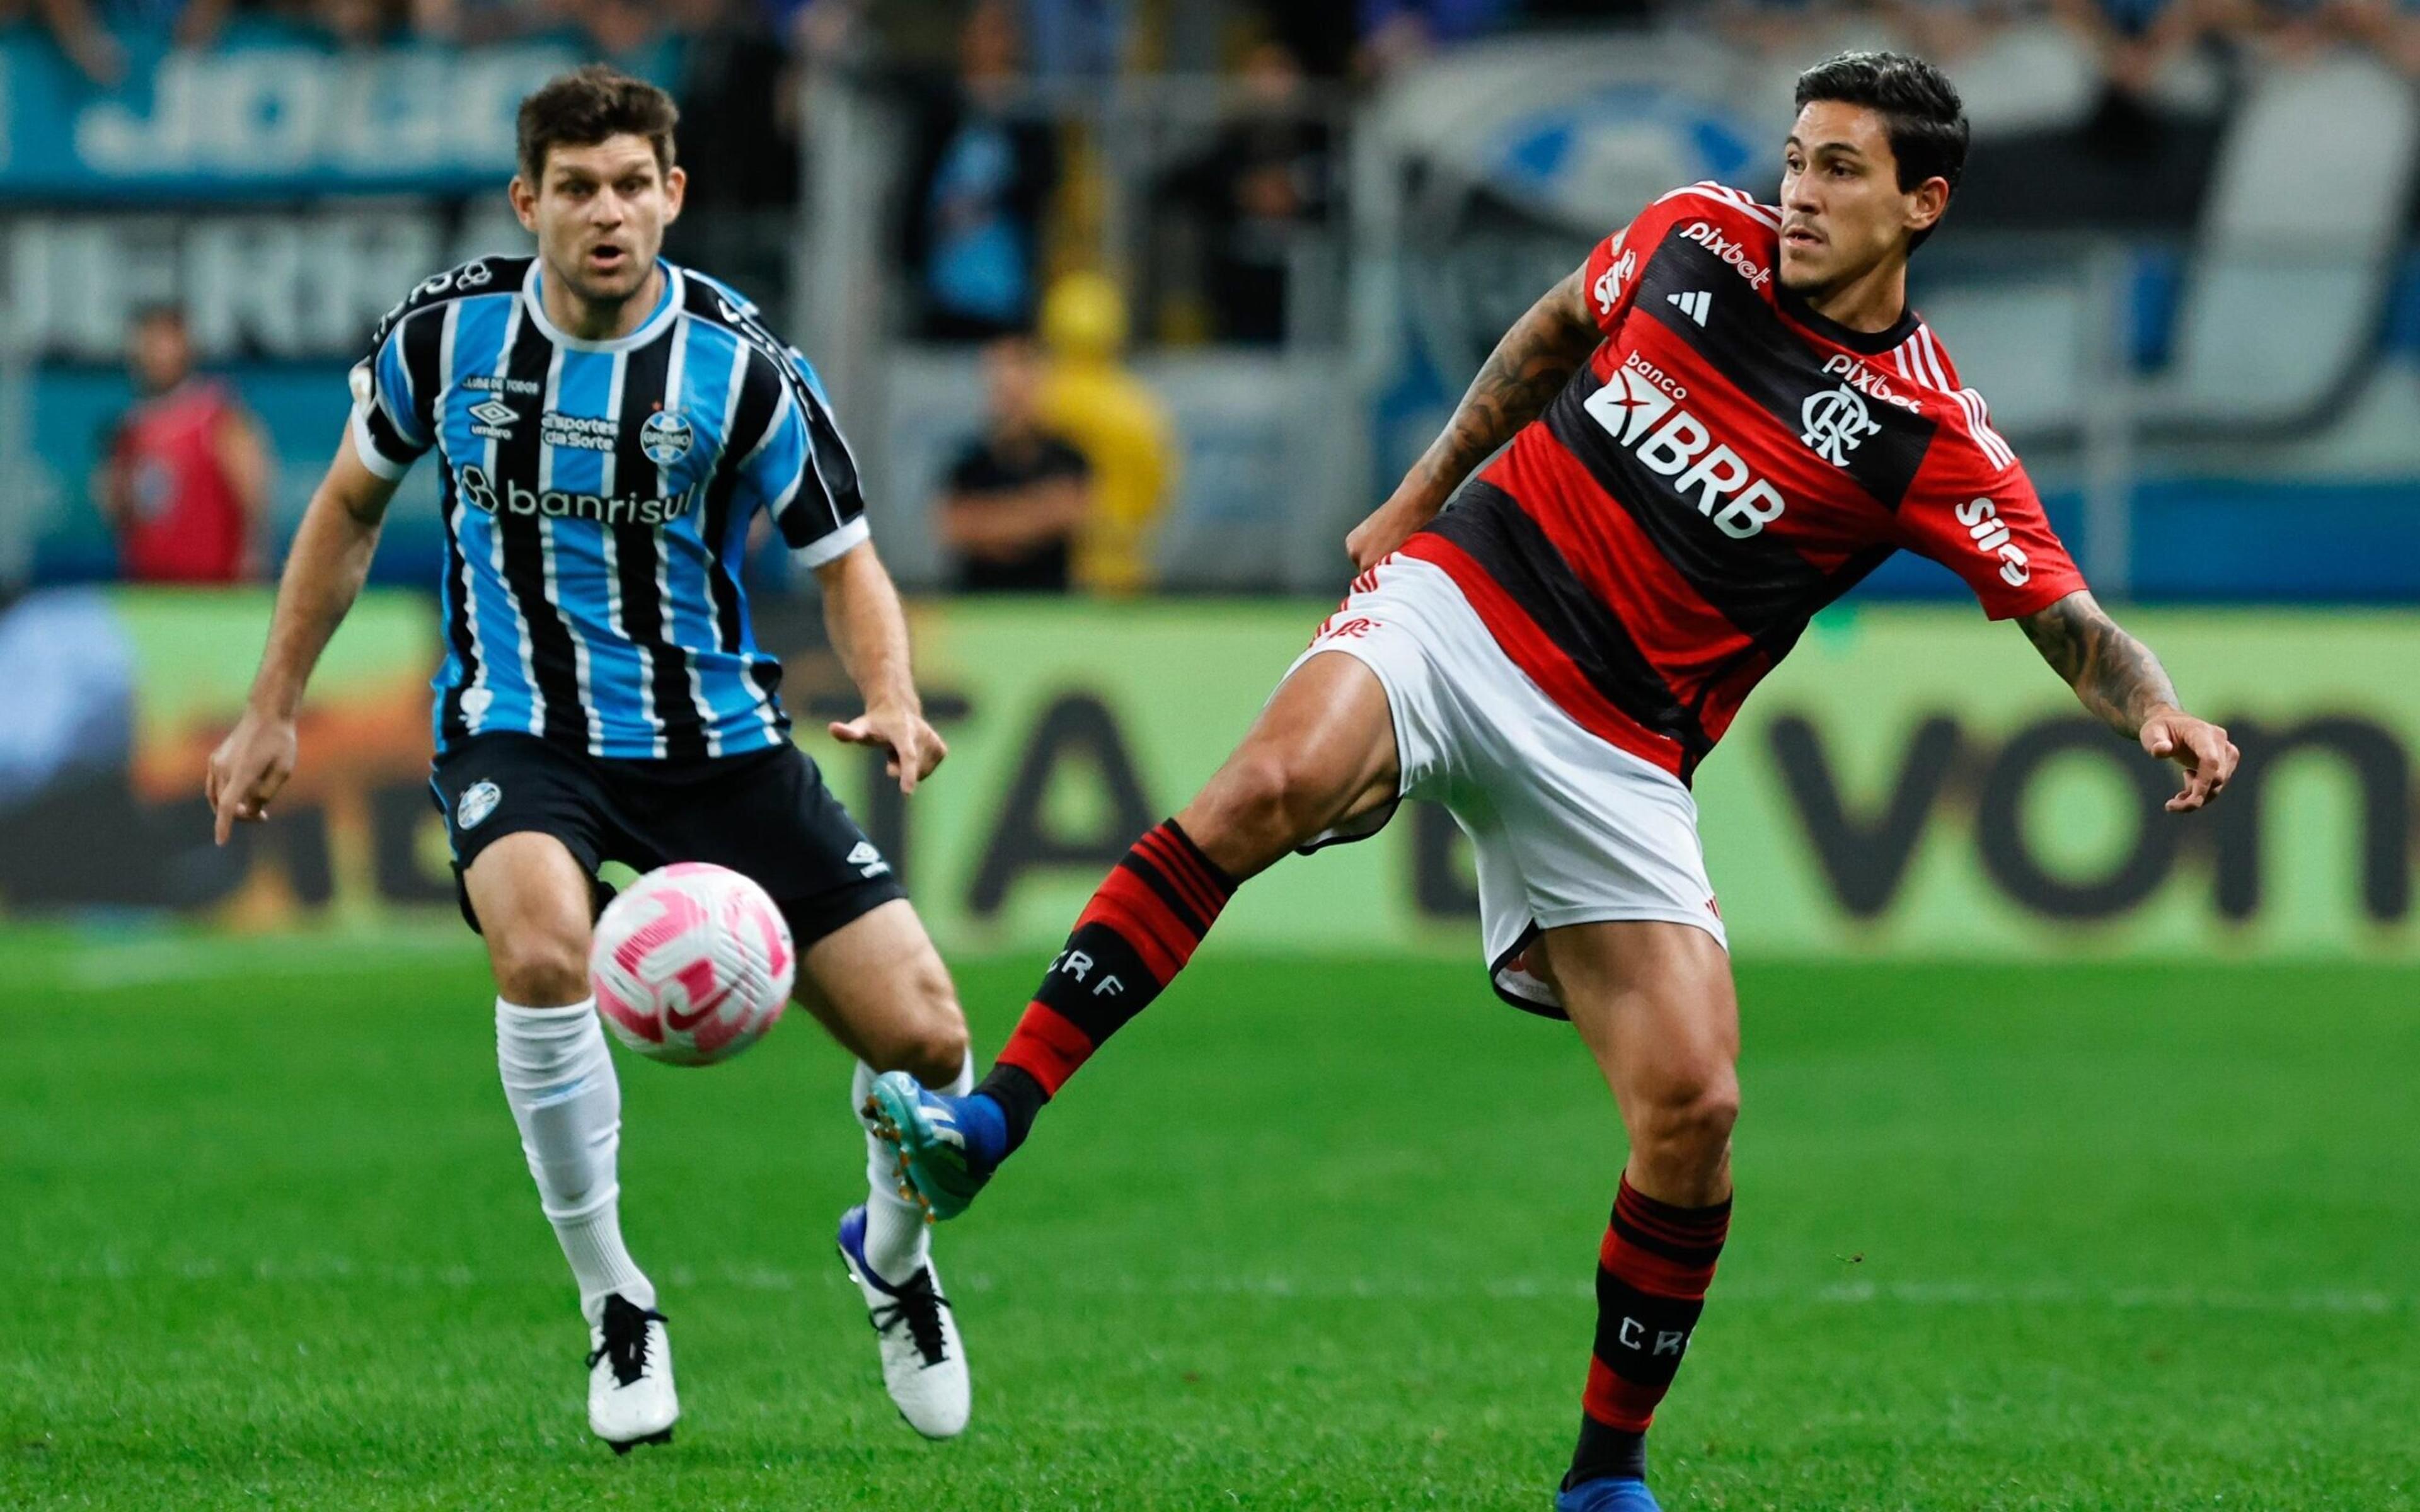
752,1276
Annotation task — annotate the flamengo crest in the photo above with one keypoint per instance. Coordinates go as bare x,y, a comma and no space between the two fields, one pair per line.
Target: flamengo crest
1836,423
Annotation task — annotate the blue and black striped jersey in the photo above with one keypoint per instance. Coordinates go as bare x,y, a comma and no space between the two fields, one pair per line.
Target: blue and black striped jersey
597,500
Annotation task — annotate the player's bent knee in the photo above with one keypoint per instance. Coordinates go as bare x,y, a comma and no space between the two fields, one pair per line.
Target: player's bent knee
1688,1122
1264,796
540,969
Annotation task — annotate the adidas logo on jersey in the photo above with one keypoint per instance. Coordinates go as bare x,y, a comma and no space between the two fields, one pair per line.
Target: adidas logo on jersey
1639,407
1694,304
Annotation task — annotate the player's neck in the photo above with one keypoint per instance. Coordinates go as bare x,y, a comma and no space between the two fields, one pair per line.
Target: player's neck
1873,302
598,320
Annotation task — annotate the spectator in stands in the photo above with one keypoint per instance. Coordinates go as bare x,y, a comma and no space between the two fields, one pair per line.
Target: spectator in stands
975,197
1115,420
2292,30
2135,41
185,481
1018,496
1261,185
1397,32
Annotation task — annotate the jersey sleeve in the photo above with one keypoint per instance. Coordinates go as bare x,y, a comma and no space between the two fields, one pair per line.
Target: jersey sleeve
1611,272
395,388
801,468
1985,523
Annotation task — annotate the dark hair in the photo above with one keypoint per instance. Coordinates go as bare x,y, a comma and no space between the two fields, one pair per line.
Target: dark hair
585,107
1920,109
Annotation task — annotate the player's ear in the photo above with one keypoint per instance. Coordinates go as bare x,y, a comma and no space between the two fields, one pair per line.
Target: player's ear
525,200
1930,202
675,187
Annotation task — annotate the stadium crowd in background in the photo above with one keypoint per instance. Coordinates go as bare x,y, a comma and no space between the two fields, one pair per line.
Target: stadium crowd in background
1000,192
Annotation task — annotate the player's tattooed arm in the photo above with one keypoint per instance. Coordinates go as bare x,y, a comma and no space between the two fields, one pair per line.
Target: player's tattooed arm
1520,377
2119,679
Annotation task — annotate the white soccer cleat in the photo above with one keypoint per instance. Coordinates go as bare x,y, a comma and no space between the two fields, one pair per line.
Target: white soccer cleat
630,1395
923,1364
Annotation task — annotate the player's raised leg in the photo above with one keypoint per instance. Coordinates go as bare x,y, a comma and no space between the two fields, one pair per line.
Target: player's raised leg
879,987
531,898
1322,754
1654,1003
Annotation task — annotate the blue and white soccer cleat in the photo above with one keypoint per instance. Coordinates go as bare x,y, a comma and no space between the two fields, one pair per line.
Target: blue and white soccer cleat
1623,1494
923,1364
948,1147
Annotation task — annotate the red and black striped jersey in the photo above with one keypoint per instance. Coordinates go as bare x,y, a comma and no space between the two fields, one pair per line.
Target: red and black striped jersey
1727,463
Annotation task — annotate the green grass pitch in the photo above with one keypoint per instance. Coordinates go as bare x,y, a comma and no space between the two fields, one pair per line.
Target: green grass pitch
1311,1234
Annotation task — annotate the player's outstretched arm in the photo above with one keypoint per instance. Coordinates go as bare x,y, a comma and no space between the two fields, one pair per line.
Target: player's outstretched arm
324,576
1525,372
2119,679
869,631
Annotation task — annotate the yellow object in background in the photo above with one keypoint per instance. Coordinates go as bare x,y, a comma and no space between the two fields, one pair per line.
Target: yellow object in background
1111,416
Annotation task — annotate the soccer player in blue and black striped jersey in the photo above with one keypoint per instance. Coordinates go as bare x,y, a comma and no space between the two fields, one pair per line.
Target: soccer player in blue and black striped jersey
608,427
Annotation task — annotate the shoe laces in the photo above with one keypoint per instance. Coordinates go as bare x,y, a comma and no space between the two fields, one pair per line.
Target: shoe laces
919,1307
626,1337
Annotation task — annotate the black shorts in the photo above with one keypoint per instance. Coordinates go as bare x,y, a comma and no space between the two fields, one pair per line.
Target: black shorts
766,815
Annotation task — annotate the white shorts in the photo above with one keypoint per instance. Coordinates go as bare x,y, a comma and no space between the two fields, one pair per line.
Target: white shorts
1566,829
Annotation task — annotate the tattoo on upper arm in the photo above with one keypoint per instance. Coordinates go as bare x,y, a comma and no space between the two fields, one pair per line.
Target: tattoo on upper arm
2115,675
1525,372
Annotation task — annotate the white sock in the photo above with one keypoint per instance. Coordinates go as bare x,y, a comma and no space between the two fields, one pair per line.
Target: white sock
559,1079
897,1239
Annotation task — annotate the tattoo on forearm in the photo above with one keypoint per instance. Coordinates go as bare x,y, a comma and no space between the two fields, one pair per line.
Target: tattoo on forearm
2115,675
1525,372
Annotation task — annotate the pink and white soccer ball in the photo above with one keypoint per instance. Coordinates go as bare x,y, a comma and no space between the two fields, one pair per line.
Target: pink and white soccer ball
692,963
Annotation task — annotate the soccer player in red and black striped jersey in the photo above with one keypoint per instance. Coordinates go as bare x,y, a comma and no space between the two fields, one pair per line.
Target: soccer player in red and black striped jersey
1717,425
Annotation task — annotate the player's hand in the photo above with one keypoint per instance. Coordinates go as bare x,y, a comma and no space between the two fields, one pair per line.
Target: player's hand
1390,526
2200,746
249,769
915,747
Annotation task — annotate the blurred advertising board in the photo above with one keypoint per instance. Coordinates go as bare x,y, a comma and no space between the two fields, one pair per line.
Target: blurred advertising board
269,109
1913,781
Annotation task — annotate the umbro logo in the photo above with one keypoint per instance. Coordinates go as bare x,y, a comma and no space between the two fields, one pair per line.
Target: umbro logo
493,419
1694,304
867,860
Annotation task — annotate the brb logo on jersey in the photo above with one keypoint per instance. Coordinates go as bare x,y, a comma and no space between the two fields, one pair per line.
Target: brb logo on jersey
1639,407
1836,423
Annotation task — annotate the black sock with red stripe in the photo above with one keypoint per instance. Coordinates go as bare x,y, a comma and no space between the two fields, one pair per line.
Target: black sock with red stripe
1651,1275
1135,934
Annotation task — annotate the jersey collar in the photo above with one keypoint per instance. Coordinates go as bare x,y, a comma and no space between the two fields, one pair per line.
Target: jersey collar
666,308
1868,342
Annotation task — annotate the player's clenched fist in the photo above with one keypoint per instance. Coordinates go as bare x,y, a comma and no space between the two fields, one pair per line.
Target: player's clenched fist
1387,528
248,769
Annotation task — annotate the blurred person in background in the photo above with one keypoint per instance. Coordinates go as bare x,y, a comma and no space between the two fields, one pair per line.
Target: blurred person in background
1396,33
1018,495
1262,183
976,192
2134,42
184,482
2293,31
1116,420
